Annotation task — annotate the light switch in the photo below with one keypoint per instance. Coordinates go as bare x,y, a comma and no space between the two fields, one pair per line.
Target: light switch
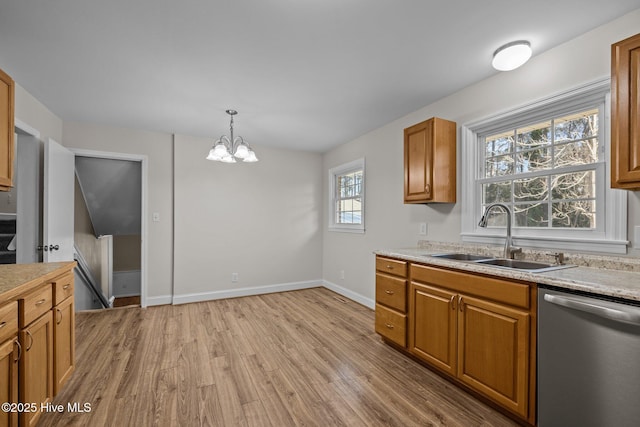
422,229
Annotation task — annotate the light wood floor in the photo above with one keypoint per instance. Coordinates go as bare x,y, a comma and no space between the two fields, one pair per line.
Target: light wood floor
306,357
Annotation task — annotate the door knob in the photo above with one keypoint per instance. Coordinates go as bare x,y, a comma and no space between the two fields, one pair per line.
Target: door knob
54,248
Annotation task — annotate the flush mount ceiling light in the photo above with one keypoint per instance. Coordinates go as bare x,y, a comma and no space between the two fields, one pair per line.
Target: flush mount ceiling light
229,149
511,55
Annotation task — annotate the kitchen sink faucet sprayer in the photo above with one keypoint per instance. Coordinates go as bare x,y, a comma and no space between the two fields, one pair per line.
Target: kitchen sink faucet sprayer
509,250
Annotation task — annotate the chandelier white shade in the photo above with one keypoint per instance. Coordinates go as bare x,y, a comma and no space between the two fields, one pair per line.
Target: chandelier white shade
229,149
511,55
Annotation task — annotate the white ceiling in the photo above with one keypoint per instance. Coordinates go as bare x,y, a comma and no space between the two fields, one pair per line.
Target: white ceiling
305,74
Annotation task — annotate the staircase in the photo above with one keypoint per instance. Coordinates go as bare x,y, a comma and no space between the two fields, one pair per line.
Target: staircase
7,233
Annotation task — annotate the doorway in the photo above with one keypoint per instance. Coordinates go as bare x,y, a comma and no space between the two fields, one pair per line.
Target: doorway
114,188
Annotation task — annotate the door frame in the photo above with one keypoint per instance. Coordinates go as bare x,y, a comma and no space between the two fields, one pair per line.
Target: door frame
143,160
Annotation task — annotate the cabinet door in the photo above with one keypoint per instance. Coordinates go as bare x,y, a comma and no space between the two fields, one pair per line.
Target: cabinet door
36,366
6,131
418,149
9,354
432,328
64,343
625,114
493,348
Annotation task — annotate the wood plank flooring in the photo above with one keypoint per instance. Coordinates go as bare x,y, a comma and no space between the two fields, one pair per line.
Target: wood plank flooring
306,357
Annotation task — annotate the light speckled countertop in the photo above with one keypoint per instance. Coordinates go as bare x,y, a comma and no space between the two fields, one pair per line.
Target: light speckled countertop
598,277
16,279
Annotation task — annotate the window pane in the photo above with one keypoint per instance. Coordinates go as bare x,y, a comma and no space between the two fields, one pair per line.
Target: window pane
531,215
576,153
496,145
499,166
577,126
533,136
575,214
577,185
532,189
496,192
533,160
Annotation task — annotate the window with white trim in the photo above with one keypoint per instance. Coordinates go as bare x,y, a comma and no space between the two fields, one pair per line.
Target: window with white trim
547,162
346,194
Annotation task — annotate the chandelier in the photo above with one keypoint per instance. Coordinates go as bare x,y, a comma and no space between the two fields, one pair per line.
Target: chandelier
229,149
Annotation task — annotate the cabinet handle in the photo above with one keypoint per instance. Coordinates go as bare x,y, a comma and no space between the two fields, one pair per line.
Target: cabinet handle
58,311
388,325
461,304
388,292
390,267
42,301
427,188
453,302
65,287
3,324
16,342
31,338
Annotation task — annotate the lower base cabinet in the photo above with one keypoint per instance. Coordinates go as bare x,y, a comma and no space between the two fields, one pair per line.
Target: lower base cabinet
480,331
36,367
9,355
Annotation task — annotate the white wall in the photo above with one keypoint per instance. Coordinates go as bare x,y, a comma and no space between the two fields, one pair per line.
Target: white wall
260,220
35,114
158,149
390,223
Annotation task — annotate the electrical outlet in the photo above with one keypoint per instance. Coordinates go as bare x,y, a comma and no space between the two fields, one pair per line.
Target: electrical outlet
156,216
234,277
342,274
422,230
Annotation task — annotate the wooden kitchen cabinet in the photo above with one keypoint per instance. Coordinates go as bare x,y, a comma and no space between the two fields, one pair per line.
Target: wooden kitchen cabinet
625,114
10,352
493,351
36,364
480,331
7,89
430,162
432,326
391,300
63,336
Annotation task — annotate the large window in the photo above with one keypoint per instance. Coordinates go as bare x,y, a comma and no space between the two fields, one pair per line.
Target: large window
346,185
547,162
545,172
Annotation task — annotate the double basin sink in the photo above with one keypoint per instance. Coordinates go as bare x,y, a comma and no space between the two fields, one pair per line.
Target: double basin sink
512,264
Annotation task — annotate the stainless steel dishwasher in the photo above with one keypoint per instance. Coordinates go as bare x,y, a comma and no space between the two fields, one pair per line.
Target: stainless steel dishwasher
588,361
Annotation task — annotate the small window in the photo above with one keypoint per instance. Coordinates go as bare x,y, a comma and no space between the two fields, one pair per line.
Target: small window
346,193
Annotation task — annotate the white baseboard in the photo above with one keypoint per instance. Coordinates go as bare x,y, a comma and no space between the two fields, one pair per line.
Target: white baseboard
161,300
367,302
243,292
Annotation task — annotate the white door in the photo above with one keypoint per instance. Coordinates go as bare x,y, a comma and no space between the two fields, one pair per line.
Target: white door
58,203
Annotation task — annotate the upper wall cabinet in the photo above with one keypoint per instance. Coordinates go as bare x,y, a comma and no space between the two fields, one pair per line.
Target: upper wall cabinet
625,114
430,162
6,131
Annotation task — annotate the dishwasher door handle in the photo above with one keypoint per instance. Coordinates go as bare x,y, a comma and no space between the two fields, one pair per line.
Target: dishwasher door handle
630,316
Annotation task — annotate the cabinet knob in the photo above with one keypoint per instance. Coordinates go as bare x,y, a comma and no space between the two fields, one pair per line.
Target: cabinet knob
388,292
390,267
427,188
389,325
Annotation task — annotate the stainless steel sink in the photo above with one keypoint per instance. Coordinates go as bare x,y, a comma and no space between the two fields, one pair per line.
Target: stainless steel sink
531,266
513,264
462,257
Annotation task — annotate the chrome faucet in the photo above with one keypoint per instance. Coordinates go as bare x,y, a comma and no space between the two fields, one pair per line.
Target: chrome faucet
509,250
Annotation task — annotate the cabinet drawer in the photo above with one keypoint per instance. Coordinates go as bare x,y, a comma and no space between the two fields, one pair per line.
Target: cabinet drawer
391,266
391,292
35,305
391,325
8,320
62,288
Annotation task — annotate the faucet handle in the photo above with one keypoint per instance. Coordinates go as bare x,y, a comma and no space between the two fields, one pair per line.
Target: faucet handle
514,250
559,256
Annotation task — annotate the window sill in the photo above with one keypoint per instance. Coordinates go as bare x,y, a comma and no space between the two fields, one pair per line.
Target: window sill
534,242
346,230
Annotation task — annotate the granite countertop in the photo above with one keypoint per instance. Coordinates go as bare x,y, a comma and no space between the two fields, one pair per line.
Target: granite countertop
16,279
592,274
